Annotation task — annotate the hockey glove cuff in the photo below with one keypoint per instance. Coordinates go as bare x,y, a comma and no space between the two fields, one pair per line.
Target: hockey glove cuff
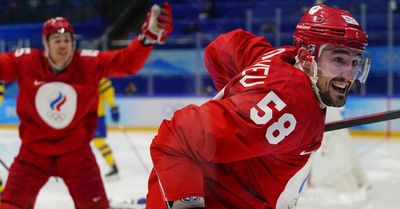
115,114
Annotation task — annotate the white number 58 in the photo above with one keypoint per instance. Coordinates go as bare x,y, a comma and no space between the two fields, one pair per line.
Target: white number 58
278,130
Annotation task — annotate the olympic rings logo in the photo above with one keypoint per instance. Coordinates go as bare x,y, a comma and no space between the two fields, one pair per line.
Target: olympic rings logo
56,116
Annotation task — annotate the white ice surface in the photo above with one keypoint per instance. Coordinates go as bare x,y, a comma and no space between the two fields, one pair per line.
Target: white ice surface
379,156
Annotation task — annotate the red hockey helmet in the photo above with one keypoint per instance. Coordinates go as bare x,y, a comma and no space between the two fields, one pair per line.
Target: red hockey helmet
322,24
57,25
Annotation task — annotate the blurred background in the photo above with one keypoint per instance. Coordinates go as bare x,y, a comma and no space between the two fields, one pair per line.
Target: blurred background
176,69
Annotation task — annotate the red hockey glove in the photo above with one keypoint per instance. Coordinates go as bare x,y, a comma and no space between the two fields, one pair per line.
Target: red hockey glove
158,25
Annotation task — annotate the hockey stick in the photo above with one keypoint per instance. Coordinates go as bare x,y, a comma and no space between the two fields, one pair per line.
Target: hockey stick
4,164
362,120
126,136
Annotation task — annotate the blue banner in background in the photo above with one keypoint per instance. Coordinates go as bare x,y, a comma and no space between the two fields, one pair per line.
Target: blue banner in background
175,62
8,114
380,58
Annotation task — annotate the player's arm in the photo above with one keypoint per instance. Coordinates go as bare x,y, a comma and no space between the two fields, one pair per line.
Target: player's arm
176,152
230,53
8,65
155,30
212,133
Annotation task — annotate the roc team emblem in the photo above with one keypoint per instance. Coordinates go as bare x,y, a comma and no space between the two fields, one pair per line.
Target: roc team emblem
56,104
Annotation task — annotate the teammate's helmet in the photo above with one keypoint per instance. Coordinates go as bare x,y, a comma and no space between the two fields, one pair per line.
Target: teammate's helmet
322,24
57,25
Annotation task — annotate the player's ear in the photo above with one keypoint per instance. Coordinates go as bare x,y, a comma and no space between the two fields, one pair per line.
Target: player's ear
304,58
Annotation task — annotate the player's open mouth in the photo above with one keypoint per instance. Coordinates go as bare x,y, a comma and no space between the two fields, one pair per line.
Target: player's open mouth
340,87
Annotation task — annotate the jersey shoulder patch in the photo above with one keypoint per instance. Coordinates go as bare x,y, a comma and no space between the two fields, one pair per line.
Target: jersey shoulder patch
89,53
22,51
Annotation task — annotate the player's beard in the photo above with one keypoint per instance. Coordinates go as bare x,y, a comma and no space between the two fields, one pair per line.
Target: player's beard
330,95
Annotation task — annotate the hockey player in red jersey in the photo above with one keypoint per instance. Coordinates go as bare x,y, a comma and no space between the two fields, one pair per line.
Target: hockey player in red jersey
57,107
251,146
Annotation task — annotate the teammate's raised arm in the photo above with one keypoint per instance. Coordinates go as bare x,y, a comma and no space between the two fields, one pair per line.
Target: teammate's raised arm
155,30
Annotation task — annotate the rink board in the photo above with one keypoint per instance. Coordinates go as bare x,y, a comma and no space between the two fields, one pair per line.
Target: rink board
146,113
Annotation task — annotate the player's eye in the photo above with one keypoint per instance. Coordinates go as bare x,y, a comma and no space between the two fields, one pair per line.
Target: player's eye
57,41
356,63
339,60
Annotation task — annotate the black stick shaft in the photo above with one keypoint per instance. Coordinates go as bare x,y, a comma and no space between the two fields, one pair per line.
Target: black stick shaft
362,120
4,164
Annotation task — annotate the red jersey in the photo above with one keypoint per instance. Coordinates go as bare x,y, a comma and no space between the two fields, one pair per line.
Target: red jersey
250,148
58,112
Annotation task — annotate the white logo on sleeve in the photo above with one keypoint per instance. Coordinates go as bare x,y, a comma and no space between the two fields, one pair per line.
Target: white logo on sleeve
38,83
96,199
89,53
307,152
22,51
56,104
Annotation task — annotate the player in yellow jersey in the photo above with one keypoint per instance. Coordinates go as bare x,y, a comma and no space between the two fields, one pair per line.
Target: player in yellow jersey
107,94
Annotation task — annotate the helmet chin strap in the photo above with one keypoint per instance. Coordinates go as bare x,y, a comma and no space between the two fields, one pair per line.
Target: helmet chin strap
314,79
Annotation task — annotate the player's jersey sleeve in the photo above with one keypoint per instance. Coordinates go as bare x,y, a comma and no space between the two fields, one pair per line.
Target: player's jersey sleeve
126,61
8,66
230,53
195,134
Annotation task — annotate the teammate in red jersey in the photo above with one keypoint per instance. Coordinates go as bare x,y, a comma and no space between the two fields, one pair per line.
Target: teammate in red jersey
57,107
251,146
